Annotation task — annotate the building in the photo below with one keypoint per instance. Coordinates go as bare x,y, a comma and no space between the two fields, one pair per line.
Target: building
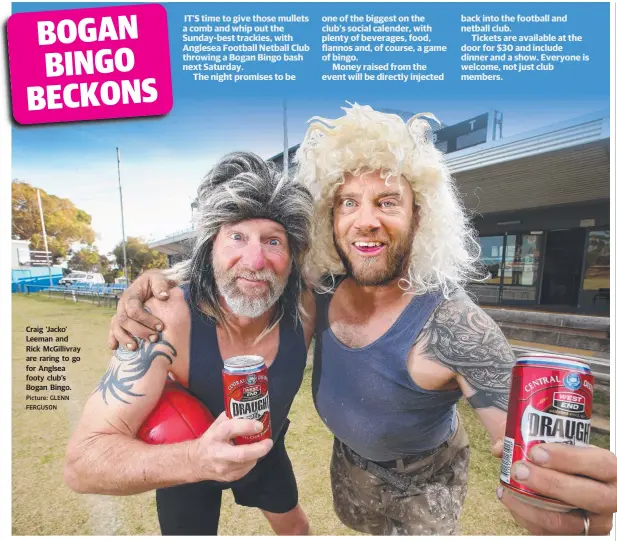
20,253
30,267
176,246
541,206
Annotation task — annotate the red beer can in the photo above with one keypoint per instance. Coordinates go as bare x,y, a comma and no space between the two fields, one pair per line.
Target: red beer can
245,386
550,402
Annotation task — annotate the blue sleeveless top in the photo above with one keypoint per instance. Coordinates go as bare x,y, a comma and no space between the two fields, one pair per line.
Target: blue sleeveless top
366,396
206,366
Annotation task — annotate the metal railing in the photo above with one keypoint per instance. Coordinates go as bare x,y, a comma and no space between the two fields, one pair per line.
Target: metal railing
101,295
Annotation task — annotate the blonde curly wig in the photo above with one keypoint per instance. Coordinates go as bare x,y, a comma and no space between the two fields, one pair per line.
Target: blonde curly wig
444,252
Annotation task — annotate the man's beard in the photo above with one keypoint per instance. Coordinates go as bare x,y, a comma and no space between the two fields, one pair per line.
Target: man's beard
239,302
369,272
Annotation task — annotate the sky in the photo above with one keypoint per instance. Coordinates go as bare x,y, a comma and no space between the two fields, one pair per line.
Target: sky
164,158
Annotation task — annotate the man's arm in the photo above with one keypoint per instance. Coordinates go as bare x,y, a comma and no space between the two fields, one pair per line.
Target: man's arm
310,310
462,337
104,455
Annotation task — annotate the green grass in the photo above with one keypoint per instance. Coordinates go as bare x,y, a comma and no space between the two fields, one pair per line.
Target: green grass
601,402
600,440
43,505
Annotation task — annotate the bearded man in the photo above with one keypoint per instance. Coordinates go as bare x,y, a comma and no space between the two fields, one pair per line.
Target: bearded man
243,292
399,342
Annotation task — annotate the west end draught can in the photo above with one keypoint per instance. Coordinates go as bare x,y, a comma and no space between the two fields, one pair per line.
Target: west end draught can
245,386
550,402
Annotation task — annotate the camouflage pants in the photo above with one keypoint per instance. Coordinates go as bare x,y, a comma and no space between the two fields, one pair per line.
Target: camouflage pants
430,506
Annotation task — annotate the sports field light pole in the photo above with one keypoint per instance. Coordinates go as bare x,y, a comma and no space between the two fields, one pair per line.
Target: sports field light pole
285,144
126,274
38,196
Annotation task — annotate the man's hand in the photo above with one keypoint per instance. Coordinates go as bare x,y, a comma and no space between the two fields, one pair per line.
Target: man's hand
131,320
217,458
585,477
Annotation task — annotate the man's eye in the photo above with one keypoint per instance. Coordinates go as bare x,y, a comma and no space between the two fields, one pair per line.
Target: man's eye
388,204
236,236
347,203
274,242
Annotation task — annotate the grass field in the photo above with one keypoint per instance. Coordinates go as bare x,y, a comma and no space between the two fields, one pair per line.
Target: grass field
43,505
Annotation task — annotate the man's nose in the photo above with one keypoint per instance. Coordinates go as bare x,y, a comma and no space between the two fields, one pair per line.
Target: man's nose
254,257
366,218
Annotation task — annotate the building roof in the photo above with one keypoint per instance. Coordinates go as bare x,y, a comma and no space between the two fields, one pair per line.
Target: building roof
577,131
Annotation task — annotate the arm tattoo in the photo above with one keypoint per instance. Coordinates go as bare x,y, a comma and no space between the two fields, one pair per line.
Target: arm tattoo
133,365
461,336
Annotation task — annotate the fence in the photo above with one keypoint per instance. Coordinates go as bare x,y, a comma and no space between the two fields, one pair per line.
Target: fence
107,295
36,276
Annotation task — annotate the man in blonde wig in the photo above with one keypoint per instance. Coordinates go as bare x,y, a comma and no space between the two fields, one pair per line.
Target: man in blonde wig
398,342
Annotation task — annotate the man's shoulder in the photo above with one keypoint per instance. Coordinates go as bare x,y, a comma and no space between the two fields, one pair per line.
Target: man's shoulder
176,318
309,303
173,312
458,304
309,314
459,332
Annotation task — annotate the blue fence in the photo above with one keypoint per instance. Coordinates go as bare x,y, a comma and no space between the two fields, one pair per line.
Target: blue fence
34,276
35,279
82,289
107,295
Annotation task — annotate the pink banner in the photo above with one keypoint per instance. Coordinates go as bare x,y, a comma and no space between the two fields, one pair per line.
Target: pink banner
89,64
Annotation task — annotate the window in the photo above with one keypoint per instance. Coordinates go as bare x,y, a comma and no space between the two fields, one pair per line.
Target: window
522,260
598,270
492,253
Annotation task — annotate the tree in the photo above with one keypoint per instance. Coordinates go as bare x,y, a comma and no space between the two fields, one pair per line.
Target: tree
110,275
87,259
105,261
139,257
109,269
65,224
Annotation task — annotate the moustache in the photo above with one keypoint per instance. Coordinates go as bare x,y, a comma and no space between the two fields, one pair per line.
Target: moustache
256,276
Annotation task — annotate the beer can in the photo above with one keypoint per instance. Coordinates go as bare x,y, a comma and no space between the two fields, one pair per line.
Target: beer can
245,386
550,402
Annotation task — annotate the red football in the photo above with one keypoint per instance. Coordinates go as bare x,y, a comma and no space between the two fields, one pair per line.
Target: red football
178,416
